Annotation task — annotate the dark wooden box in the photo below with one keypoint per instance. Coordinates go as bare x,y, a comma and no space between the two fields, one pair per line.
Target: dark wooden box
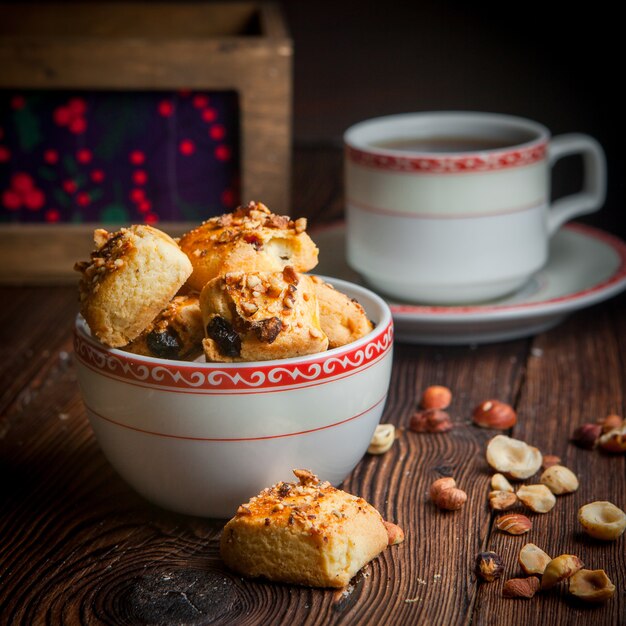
150,47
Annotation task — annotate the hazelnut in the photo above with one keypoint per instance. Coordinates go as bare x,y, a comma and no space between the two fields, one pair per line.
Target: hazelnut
549,460
430,421
614,440
585,436
559,569
446,495
501,500
602,520
520,587
591,585
500,483
395,534
494,414
512,457
537,498
436,397
383,439
513,523
489,566
559,480
610,422
532,559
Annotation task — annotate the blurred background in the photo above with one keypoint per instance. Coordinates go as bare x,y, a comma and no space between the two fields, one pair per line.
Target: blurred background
547,61
354,60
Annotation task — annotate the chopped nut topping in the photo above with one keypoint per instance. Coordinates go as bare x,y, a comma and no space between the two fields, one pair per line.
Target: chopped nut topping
300,225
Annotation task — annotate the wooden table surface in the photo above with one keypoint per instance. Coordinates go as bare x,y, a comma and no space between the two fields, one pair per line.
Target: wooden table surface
80,547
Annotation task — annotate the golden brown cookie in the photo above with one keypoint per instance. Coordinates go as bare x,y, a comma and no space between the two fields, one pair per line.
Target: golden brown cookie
308,533
130,278
343,319
175,333
251,239
258,316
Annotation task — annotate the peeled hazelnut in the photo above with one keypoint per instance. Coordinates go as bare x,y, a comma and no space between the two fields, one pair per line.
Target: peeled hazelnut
602,520
494,414
395,534
430,421
537,498
501,500
512,457
521,587
549,460
436,397
500,483
585,436
614,440
559,569
445,494
513,523
591,585
532,559
559,480
383,439
610,422
489,566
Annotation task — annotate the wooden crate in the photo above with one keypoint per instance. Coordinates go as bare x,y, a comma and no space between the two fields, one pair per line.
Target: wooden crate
153,47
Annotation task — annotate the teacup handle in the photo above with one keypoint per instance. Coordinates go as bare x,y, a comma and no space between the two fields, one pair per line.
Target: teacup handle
593,193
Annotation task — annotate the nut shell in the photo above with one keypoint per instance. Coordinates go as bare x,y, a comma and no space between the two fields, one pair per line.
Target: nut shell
613,440
513,523
489,566
444,493
602,520
494,414
436,397
430,421
585,436
559,569
512,457
383,438
559,480
537,498
521,587
395,534
533,560
591,585
502,500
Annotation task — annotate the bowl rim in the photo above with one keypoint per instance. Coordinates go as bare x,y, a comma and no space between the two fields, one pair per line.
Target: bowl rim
383,326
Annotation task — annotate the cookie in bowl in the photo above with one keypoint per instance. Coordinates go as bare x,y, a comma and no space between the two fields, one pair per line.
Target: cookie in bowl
175,333
307,533
131,276
251,239
258,316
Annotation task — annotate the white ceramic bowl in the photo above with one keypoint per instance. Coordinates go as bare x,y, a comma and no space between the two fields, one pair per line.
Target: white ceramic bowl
201,438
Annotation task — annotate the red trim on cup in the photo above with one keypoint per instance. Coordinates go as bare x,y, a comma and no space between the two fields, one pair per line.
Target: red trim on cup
160,374
448,164
231,439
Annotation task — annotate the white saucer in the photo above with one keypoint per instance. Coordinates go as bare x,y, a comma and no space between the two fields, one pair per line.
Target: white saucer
585,266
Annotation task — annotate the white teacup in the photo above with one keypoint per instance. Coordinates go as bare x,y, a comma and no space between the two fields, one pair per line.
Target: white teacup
454,207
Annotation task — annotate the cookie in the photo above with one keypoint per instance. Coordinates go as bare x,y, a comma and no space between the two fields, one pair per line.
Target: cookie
343,319
130,278
258,316
251,239
307,533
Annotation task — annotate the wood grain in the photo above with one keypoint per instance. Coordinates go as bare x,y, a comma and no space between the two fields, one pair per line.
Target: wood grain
80,547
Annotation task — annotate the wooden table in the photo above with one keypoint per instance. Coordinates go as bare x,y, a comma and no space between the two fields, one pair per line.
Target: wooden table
79,547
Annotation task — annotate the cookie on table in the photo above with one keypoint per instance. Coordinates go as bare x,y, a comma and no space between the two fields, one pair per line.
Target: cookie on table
251,239
307,533
175,333
342,318
257,316
132,275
